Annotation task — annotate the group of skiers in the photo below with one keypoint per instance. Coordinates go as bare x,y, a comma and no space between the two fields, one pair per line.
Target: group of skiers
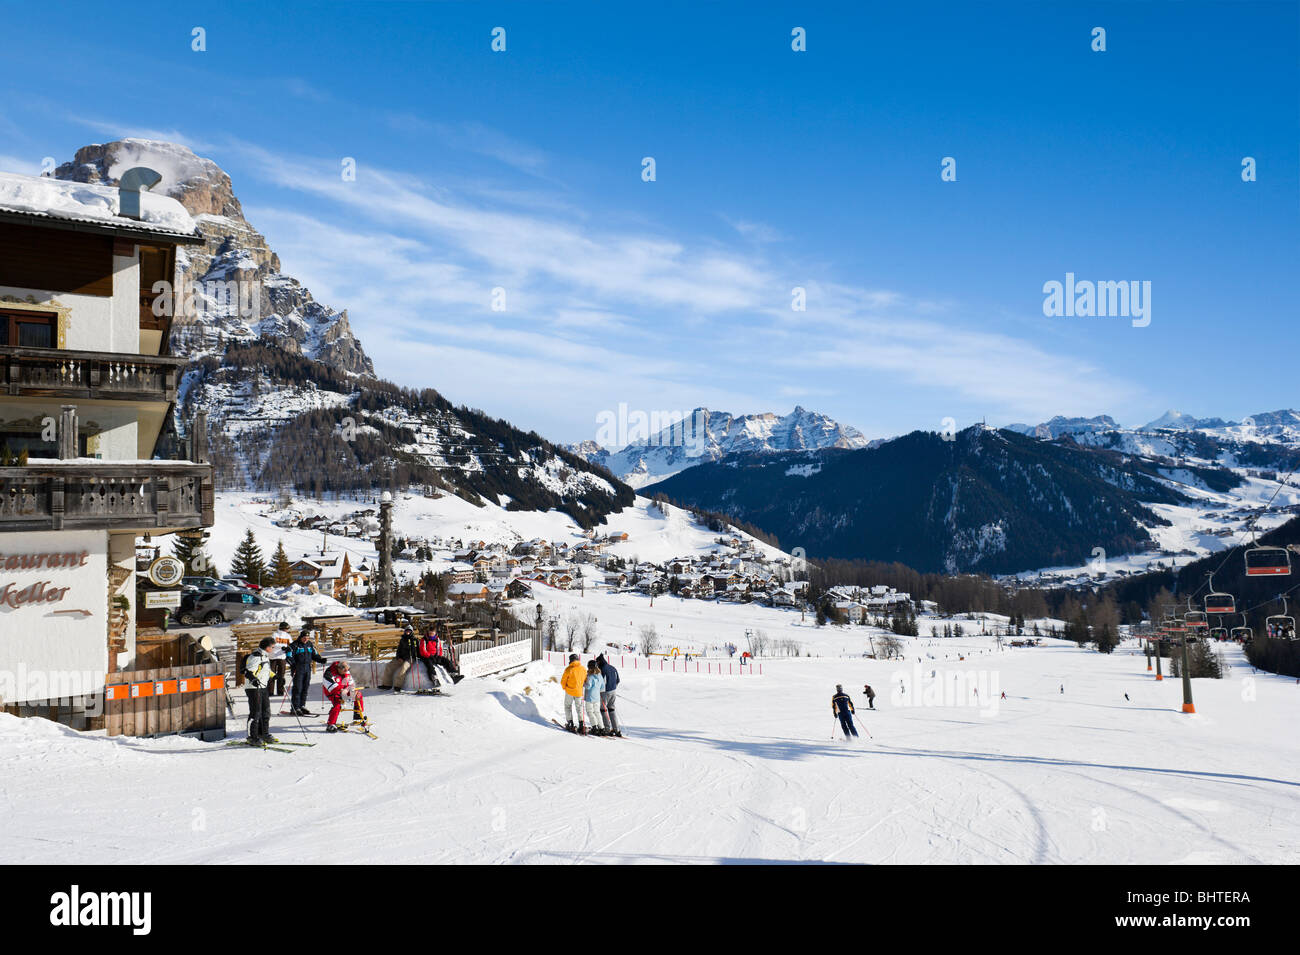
429,650
842,707
261,673
264,669
590,693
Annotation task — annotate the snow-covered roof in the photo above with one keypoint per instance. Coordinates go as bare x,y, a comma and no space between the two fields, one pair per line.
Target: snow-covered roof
41,197
467,588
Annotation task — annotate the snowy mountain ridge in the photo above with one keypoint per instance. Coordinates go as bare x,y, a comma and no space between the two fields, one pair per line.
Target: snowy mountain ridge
706,436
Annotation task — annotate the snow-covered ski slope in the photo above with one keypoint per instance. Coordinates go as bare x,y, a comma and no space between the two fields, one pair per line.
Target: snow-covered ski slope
715,769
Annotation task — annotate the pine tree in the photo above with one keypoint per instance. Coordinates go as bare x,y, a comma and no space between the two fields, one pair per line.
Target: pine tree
249,563
1107,639
281,571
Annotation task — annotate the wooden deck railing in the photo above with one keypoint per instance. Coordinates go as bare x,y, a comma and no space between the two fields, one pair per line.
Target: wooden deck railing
66,495
60,373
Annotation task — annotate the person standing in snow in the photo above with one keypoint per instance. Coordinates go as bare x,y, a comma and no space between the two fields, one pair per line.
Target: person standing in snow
574,676
258,675
277,659
842,707
300,656
403,657
592,688
871,696
607,698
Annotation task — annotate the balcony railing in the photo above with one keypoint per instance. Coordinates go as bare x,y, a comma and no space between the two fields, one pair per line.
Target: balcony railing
115,495
58,373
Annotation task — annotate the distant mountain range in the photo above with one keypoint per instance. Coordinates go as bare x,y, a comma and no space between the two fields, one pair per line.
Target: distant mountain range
1276,427
990,501
707,436
999,501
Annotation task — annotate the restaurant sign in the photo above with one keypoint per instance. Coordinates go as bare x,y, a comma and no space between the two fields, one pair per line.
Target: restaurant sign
53,614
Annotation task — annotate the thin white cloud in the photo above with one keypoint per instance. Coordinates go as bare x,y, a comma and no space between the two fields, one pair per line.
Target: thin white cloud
593,307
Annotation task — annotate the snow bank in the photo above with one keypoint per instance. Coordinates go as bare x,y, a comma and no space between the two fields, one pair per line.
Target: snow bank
299,602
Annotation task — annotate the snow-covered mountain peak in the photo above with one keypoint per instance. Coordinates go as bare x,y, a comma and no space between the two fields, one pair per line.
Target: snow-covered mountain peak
707,435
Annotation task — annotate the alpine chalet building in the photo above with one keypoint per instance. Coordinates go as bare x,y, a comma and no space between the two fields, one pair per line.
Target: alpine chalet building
87,385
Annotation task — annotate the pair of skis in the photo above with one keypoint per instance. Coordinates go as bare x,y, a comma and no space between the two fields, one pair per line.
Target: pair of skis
280,747
588,733
363,724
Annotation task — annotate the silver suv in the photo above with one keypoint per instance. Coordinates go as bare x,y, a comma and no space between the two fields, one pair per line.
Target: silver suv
222,607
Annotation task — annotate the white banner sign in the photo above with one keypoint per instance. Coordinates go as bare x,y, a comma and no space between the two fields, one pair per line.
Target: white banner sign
53,614
495,659
157,599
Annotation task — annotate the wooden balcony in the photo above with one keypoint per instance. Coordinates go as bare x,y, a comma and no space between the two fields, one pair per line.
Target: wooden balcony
59,373
81,494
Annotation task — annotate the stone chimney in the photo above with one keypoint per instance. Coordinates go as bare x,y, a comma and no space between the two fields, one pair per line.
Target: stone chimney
128,190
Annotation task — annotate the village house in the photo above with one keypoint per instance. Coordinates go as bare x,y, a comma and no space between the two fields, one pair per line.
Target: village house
330,571
459,593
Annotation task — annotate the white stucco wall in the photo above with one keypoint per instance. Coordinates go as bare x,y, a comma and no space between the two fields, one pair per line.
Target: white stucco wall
115,423
97,323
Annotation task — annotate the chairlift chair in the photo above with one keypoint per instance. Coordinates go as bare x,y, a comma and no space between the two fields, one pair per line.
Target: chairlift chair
1220,603
1243,633
1267,562
1219,633
1280,626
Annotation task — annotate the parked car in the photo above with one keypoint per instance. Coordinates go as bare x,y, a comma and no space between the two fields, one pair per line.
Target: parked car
241,583
205,583
215,607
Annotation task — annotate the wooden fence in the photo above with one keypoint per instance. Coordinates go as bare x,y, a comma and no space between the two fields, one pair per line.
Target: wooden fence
167,700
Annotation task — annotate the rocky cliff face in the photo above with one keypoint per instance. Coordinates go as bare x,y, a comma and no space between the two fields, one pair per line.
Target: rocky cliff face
239,291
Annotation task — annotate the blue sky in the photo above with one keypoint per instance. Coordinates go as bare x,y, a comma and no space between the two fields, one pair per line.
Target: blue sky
775,169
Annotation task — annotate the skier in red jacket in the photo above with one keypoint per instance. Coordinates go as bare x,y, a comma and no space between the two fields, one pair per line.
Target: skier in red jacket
435,653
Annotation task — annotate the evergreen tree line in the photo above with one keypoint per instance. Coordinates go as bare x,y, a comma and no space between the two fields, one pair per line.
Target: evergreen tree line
310,454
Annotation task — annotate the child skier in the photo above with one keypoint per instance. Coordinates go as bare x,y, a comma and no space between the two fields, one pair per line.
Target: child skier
339,686
592,688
